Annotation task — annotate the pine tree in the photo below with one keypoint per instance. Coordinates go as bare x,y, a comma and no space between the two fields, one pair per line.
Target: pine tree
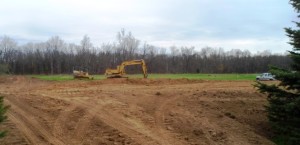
3,109
284,98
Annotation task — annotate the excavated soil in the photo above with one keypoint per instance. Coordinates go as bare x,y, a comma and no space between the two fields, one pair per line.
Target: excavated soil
133,111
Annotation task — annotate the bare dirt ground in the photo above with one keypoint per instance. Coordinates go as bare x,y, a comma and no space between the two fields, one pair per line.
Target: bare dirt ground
133,111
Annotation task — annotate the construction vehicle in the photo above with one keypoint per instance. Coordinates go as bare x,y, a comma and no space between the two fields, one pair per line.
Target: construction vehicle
81,73
119,72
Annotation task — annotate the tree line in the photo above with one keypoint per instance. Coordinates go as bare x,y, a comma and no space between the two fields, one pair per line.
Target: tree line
55,56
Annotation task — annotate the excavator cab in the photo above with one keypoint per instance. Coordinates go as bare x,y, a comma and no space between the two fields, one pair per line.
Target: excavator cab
119,72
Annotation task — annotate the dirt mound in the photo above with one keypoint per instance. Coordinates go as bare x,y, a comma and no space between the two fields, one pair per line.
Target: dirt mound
134,111
7,79
162,81
141,81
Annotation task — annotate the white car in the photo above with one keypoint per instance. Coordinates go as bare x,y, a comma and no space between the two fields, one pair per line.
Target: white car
265,77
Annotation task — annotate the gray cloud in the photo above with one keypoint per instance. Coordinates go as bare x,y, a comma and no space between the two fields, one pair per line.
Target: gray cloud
252,25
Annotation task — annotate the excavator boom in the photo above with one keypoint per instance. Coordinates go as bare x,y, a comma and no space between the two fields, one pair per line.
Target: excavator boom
119,72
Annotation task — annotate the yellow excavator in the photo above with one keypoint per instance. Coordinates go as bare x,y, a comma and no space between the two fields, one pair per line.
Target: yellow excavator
119,72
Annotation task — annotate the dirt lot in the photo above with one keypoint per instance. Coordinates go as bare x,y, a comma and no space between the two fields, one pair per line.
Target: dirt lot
133,111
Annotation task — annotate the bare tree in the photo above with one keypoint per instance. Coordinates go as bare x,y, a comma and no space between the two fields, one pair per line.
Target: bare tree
54,46
7,46
187,54
127,44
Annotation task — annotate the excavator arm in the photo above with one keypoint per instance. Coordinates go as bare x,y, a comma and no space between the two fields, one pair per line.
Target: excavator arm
120,71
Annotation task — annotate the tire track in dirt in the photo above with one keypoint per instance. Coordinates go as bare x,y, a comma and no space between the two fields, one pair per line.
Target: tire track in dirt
130,127
81,125
59,130
25,107
169,138
139,134
159,122
61,120
114,121
28,134
30,127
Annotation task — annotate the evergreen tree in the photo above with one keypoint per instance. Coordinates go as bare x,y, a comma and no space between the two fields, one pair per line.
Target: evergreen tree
284,98
3,109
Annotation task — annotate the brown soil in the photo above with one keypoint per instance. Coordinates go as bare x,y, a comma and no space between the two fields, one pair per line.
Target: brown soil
133,111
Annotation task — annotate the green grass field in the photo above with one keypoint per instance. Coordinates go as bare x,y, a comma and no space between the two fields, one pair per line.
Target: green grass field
231,77
206,76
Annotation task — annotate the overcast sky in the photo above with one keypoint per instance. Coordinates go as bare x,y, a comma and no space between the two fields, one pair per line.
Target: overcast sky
255,25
